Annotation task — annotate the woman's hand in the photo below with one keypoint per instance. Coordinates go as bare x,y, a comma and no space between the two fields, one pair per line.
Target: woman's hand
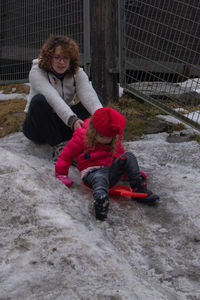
78,124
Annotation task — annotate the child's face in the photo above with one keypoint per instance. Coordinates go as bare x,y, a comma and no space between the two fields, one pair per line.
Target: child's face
104,140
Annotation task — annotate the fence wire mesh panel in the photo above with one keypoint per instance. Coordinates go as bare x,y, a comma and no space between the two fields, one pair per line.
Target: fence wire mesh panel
160,54
25,25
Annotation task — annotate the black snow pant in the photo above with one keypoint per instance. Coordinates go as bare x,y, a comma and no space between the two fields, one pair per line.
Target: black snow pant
102,179
43,125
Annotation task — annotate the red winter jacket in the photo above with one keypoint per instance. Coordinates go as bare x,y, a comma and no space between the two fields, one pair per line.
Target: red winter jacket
75,148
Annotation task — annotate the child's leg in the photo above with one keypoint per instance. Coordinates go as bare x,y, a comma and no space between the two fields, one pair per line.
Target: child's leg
98,180
126,163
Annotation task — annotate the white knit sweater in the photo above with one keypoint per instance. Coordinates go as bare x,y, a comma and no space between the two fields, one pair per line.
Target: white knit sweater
60,95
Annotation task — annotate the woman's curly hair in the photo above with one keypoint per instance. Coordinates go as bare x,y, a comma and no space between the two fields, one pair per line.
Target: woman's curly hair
90,138
69,49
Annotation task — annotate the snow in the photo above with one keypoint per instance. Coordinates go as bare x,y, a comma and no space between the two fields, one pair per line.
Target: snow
51,246
195,116
121,91
4,97
193,84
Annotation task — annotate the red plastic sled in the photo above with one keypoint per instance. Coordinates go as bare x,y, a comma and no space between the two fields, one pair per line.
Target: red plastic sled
122,190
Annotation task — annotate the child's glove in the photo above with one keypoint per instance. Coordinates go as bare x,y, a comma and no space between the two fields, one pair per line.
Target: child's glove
65,179
143,174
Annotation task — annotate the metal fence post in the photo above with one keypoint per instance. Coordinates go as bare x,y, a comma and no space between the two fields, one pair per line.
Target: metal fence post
121,43
86,36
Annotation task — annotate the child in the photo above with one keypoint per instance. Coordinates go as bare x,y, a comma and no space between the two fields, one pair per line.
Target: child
101,159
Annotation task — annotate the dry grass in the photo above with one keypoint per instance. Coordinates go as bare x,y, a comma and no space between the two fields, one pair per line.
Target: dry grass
12,111
15,88
137,113
11,116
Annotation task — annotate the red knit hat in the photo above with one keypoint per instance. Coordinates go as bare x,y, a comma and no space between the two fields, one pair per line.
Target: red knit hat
108,122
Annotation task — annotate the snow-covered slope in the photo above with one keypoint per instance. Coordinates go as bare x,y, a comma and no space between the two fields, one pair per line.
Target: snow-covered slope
51,246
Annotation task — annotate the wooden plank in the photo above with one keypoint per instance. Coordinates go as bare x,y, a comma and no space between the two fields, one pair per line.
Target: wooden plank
104,47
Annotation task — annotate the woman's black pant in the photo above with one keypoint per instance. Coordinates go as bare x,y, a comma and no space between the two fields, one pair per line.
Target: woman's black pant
43,125
102,179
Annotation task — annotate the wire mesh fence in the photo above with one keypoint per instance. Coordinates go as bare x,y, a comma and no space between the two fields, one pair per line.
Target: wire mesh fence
160,54
159,46
25,25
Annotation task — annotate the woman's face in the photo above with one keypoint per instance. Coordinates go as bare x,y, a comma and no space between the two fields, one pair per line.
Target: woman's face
104,140
60,63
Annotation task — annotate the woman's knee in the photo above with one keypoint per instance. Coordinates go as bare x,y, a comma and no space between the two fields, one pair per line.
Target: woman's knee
38,103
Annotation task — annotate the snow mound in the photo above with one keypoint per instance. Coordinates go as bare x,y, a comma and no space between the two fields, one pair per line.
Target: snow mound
51,246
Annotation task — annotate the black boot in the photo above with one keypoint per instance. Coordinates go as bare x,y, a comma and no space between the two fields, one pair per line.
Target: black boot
149,199
101,206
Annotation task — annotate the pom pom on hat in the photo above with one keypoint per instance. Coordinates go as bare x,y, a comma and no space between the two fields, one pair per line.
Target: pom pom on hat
108,122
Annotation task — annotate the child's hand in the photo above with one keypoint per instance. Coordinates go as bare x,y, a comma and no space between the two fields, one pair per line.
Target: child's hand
65,179
78,124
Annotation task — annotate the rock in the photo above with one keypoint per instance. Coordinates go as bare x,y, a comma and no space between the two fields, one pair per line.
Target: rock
156,126
190,98
178,138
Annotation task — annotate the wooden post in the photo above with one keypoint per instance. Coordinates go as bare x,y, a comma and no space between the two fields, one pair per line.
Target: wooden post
104,48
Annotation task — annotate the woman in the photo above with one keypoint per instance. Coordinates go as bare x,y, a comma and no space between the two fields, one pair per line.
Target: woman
55,78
